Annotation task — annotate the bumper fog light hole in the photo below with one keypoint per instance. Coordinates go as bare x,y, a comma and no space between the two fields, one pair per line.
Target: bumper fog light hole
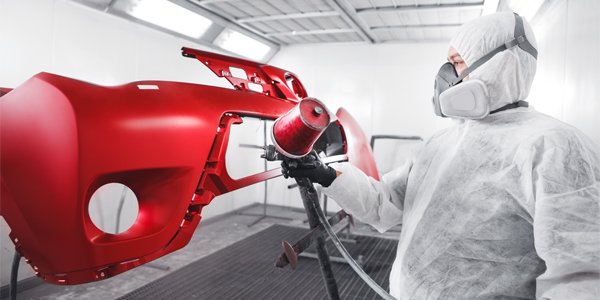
113,208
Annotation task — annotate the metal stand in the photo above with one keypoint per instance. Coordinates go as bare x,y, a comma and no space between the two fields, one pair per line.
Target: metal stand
14,274
347,240
264,215
310,200
316,219
338,244
318,196
157,266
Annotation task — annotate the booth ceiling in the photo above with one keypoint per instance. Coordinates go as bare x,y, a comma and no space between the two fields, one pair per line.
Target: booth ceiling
324,21
277,23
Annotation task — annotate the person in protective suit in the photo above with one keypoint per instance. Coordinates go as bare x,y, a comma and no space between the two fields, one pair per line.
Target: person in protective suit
505,205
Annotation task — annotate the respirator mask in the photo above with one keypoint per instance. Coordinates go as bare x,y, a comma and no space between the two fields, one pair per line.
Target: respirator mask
469,100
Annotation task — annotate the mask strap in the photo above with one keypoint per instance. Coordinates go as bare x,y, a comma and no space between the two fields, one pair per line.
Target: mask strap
511,106
520,40
525,45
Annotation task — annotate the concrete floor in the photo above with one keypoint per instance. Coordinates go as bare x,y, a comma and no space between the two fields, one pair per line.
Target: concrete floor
211,236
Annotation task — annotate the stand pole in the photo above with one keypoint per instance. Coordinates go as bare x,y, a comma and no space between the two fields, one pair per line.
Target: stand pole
310,200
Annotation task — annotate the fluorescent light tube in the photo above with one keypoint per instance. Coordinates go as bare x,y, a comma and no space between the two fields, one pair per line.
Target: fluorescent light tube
242,44
171,16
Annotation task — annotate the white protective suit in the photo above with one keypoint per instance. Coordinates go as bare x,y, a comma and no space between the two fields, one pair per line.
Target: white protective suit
506,207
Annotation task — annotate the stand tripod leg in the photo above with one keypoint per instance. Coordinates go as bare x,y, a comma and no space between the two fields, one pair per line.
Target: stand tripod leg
310,201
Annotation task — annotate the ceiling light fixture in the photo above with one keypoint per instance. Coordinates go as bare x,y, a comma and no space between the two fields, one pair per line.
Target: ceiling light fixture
171,16
241,44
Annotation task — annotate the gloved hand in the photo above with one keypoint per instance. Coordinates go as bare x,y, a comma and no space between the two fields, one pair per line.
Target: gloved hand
310,167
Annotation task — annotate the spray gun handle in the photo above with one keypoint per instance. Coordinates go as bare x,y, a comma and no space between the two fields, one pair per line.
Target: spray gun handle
271,154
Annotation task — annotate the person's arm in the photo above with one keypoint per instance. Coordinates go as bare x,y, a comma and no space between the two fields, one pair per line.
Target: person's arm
567,220
378,203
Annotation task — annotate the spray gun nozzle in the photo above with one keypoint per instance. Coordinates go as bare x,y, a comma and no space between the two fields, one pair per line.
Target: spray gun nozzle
271,154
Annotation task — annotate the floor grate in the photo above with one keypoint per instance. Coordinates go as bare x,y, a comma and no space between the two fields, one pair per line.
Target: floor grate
245,270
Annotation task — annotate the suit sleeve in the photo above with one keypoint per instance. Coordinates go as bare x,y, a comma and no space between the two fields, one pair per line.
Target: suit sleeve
378,203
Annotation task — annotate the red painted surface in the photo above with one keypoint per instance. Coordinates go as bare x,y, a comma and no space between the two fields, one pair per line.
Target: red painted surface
358,149
63,138
275,82
4,91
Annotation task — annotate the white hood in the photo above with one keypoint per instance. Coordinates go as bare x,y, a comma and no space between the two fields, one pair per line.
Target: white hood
509,74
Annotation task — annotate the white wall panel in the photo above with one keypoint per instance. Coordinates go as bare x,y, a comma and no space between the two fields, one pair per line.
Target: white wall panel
568,76
582,67
91,46
27,39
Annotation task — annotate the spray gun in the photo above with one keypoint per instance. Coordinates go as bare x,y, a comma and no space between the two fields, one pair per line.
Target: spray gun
294,134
